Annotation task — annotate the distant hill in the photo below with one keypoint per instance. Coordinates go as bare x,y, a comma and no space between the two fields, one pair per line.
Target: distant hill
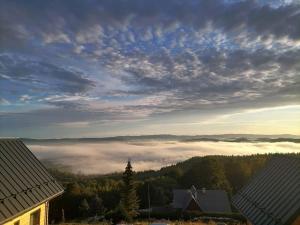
181,138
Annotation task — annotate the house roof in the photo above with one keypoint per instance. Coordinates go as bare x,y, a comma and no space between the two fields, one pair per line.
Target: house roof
208,200
273,196
24,181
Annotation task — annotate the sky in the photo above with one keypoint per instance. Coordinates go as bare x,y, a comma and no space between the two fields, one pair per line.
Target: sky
98,68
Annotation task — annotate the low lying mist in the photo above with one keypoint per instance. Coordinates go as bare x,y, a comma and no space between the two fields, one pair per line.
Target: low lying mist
107,157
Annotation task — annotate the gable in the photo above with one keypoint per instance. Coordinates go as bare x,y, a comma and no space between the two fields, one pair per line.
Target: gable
193,206
25,182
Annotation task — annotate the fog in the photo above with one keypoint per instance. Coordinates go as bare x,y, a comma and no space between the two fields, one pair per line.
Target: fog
107,157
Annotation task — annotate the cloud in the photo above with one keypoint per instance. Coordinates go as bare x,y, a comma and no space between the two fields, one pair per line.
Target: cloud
196,79
44,76
89,21
25,98
51,116
3,101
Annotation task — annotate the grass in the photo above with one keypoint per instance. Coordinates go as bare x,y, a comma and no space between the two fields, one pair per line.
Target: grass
147,223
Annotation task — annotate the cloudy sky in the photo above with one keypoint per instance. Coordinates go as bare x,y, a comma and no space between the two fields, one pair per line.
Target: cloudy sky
92,68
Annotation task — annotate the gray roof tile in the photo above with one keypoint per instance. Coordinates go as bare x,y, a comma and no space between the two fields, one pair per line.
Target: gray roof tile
273,196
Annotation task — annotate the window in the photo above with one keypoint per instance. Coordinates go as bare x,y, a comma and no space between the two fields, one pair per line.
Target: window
35,217
17,222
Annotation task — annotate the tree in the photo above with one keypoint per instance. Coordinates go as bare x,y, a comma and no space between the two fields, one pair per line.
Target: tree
129,203
84,207
237,173
96,205
71,199
209,173
174,173
74,189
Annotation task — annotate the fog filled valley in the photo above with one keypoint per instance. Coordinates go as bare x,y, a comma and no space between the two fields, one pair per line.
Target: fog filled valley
85,167
94,172
101,156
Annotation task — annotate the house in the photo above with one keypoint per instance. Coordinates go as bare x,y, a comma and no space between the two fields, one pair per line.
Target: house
203,200
273,196
25,186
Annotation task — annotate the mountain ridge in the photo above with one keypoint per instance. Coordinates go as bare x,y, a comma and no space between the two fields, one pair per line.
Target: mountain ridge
170,137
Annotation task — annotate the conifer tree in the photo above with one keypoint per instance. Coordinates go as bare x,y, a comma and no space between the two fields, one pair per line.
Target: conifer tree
129,201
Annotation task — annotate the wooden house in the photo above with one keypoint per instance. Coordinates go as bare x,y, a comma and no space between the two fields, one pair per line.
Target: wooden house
215,201
25,186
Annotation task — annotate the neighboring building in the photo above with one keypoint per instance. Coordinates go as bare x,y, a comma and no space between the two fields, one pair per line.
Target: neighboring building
273,196
215,201
25,186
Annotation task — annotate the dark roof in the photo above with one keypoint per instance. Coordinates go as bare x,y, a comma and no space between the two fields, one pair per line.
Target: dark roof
208,200
273,196
24,181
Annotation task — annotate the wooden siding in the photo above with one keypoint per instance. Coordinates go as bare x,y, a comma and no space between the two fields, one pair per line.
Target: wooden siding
297,221
193,206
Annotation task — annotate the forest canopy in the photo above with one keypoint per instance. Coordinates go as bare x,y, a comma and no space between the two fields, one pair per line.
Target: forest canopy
99,195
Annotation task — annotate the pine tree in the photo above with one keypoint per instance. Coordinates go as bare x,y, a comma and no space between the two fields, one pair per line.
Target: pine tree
129,201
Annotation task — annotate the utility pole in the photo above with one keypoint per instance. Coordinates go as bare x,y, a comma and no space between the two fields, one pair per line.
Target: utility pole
148,202
63,215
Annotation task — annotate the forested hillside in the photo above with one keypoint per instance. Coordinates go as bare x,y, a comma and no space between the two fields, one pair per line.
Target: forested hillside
100,194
